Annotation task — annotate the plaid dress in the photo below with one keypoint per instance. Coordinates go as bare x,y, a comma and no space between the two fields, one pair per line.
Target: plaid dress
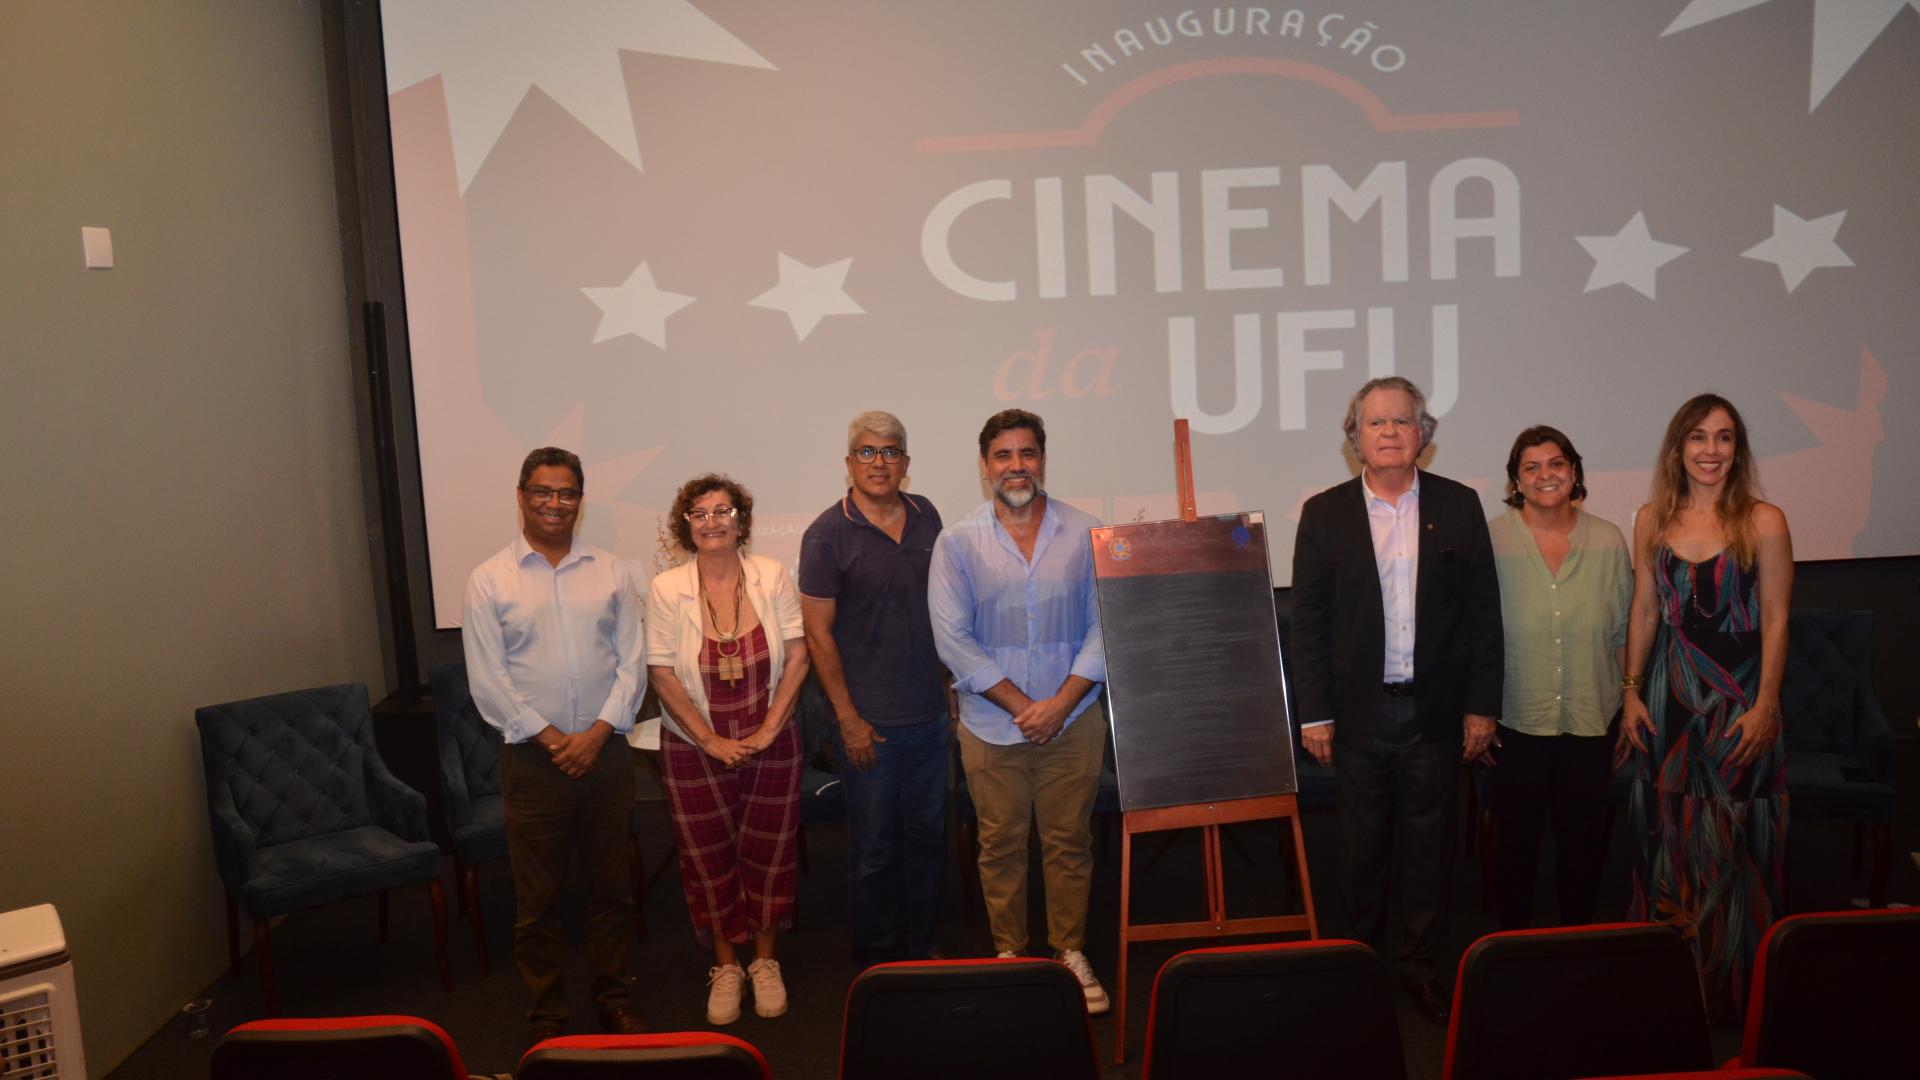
736,827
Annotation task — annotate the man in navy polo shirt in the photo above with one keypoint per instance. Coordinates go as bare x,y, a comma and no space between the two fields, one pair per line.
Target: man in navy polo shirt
863,596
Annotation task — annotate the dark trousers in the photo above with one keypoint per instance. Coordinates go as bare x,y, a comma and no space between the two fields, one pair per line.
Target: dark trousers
1396,799
897,842
1542,777
549,819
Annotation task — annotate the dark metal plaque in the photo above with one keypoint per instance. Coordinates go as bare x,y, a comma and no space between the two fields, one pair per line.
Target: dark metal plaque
1194,681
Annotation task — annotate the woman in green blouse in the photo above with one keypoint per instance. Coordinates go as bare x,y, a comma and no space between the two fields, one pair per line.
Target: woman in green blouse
1566,585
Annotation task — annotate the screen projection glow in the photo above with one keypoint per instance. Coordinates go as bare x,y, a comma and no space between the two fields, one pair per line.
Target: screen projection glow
681,238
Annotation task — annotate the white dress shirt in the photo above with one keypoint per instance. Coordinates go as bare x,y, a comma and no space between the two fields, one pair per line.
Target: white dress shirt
1396,553
558,645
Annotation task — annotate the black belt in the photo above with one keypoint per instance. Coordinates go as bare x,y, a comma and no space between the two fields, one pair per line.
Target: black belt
1397,689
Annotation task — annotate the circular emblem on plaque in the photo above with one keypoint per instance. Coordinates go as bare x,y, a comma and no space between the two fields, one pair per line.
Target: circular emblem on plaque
1120,549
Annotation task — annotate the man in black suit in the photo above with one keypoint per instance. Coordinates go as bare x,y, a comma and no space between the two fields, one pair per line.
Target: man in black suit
1397,666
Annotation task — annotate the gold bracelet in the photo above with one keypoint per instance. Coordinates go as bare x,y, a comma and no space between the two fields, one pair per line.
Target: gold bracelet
1630,682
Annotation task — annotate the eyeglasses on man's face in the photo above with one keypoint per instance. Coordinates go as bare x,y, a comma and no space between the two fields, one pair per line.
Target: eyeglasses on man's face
718,513
889,454
564,496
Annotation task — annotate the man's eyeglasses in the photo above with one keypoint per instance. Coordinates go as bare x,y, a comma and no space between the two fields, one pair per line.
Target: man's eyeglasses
889,454
565,496
718,513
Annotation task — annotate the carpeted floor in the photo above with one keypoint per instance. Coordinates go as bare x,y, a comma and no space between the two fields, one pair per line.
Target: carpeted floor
328,962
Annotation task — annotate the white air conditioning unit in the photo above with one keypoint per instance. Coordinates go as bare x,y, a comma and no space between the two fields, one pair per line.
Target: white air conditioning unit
39,1019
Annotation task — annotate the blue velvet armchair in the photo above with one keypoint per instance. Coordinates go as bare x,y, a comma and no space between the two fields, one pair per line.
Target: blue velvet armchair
1839,748
304,813
469,750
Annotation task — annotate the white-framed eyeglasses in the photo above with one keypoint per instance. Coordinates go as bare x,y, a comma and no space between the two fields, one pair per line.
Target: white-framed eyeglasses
889,454
718,513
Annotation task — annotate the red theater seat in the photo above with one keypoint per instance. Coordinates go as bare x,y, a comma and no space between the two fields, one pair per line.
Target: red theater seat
1613,998
673,1055
1324,1008
1833,994
965,1020
329,1047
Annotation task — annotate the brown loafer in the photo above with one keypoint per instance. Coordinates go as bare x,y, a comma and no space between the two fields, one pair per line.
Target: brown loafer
623,1020
542,1030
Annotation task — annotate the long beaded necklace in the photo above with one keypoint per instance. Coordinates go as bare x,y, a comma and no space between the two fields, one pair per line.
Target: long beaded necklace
730,670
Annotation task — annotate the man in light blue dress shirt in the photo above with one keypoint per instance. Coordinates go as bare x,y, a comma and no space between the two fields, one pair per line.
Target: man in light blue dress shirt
552,634
1016,620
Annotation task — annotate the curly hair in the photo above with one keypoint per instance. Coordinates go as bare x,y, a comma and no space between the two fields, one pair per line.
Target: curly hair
701,486
1541,435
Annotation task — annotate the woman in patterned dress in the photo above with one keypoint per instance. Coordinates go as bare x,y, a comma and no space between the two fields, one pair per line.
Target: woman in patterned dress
1706,649
727,655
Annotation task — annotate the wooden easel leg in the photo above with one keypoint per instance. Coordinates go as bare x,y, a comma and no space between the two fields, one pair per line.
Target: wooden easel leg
1215,873
1126,913
1306,883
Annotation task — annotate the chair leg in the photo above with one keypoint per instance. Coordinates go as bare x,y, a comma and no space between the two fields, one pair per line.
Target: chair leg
470,900
383,916
439,898
233,935
263,959
1882,863
459,892
637,870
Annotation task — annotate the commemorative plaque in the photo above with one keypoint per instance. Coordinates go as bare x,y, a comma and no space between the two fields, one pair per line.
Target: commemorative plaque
1194,681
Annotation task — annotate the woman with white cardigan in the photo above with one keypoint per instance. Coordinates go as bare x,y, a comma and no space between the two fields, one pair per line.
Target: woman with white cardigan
727,655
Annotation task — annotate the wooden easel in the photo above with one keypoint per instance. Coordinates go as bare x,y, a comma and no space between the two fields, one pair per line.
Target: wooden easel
1208,817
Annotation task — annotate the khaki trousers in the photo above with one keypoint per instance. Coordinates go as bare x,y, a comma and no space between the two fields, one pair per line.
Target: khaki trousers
1053,787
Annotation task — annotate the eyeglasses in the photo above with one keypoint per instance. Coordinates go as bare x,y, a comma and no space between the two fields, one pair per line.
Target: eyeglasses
889,454
718,513
566,496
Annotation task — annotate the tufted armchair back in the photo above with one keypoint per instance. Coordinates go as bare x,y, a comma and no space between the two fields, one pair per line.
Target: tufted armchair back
1828,686
469,746
290,766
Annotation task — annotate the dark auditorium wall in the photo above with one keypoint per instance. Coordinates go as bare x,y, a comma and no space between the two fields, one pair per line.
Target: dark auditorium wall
187,521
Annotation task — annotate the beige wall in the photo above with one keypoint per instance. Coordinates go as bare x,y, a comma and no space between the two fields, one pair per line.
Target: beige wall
186,522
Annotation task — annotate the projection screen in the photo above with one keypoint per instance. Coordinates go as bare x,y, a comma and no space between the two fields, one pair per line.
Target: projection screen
682,237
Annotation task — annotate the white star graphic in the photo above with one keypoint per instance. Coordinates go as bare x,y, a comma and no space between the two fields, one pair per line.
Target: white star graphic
1629,257
1799,247
637,306
1842,30
489,52
809,293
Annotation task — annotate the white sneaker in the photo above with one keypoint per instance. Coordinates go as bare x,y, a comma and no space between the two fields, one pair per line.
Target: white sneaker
725,983
1076,962
1006,954
769,991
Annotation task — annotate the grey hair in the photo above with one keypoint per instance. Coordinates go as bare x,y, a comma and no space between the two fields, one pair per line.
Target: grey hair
884,424
1427,421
